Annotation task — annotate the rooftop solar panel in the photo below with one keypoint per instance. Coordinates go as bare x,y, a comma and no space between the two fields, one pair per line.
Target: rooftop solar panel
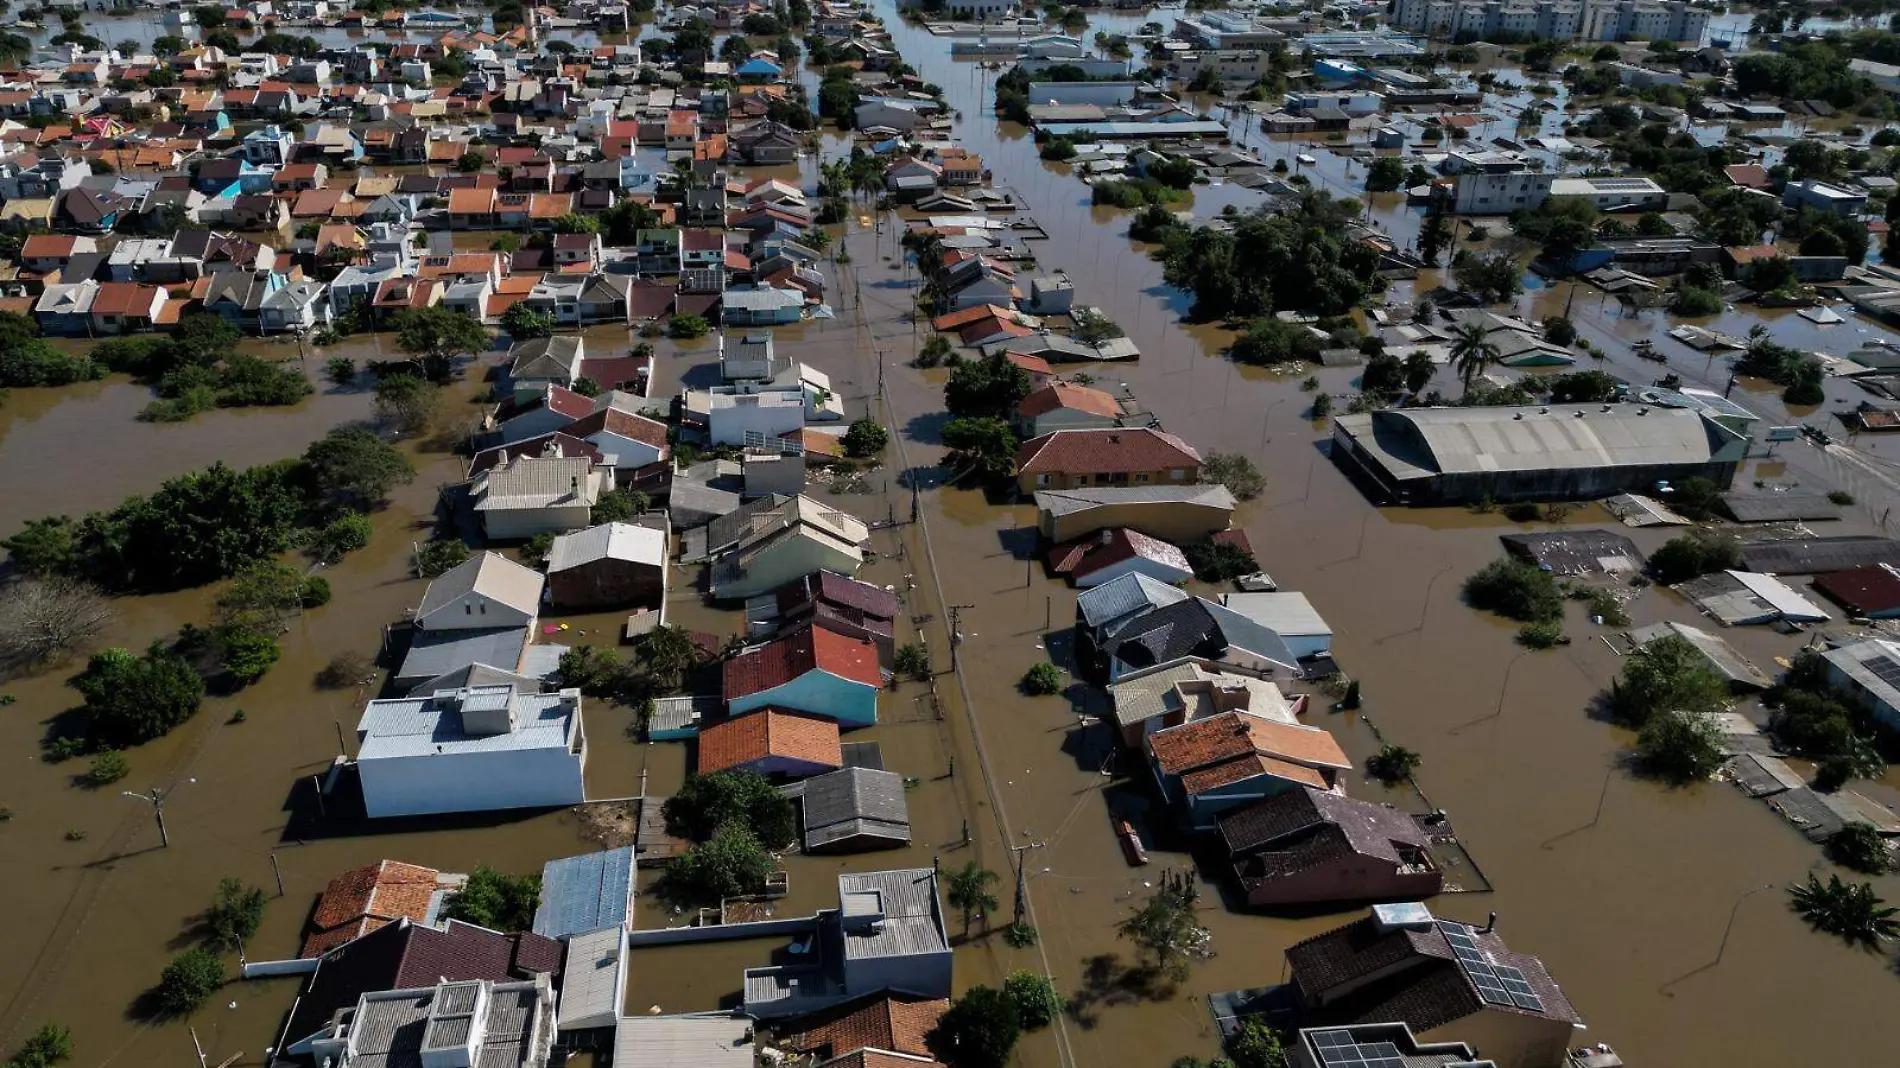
1496,984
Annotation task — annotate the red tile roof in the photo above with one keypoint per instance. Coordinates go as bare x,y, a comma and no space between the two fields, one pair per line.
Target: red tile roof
1057,395
363,899
889,1022
1087,555
788,658
1863,589
765,733
1117,451
1234,735
626,424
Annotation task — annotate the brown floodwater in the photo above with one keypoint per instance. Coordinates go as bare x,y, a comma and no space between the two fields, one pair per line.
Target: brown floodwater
1618,903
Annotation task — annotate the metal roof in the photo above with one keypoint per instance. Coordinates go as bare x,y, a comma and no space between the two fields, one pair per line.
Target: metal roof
584,893
1760,775
1282,613
853,802
1721,656
906,898
1814,555
1068,502
492,575
408,726
1413,443
608,541
439,652
1779,507
1781,597
683,1042
1123,596
593,979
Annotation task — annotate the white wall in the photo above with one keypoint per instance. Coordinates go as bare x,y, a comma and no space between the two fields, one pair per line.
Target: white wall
471,782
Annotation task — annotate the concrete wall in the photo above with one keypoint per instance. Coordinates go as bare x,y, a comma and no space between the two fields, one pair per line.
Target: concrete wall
924,973
1511,1040
1349,878
527,522
1178,523
472,782
609,584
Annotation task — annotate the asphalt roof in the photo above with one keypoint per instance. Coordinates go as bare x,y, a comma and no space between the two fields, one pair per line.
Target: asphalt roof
1811,556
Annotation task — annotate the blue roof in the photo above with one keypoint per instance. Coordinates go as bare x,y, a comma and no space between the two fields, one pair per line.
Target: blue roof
585,893
758,66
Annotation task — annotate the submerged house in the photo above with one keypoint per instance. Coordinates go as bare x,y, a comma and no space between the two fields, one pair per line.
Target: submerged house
1214,765
1305,847
1442,979
886,935
471,750
814,670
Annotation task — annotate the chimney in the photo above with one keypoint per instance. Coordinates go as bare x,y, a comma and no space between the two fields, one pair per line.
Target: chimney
1490,923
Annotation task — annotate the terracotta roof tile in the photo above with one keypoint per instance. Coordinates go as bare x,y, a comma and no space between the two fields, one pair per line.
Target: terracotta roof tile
769,732
888,1023
811,649
1116,451
362,899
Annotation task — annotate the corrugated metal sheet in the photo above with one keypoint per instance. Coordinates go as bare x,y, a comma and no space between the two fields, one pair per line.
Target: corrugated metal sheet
593,980
589,892
679,1041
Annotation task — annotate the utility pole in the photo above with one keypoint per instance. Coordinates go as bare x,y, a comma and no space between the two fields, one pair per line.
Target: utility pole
956,631
157,800
1022,893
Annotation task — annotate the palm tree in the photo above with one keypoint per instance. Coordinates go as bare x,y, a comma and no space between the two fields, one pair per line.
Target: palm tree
1471,351
970,892
668,652
1850,911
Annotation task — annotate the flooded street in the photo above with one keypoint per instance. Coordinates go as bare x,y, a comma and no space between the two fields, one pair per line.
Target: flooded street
1621,885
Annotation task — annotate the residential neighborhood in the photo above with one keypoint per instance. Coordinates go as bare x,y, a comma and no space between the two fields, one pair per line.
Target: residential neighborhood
876,533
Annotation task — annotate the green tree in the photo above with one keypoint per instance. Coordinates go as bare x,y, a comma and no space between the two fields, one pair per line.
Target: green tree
354,466
1219,561
981,451
1433,235
1667,675
132,699
1851,912
1860,847
440,555
1560,331
1236,472
979,1030
406,401
729,863
991,387
496,901
1689,555
1268,341
1256,1045
668,652
1419,370
48,1047
1681,746
234,915
523,323
340,370
107,768
437,336
1392,764
1035,998
1471,352
1385,174
911,660
1167,930
1516,590
865,438
189,980
1489,278
969,892
689,327
340,536
1041,680
620,505
936,349
1582,387
704,803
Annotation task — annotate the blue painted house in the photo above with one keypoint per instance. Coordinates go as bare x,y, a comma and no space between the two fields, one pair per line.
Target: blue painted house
758,69
814,671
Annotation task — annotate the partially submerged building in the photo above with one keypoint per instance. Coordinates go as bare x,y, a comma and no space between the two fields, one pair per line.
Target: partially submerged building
887,934
1305,847
1441,979
851,810
471,750
1180,514
1215,765
1559,452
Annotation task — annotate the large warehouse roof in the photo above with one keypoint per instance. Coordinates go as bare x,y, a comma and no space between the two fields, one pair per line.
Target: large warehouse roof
1413,443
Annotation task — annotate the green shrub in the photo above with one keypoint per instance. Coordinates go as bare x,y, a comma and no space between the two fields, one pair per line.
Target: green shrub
340,536
441,555
316,591
1541,635
107,768
1515,590
189,981
1042,680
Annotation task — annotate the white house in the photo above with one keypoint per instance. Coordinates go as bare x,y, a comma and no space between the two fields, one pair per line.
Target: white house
1290,615
485,591
523,496
471,750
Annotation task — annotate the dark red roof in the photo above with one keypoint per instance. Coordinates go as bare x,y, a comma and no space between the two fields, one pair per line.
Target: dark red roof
788,658
542,445
1118,451
1863,589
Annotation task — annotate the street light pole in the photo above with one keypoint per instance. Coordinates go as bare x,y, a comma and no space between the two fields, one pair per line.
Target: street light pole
157,800
1022,895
